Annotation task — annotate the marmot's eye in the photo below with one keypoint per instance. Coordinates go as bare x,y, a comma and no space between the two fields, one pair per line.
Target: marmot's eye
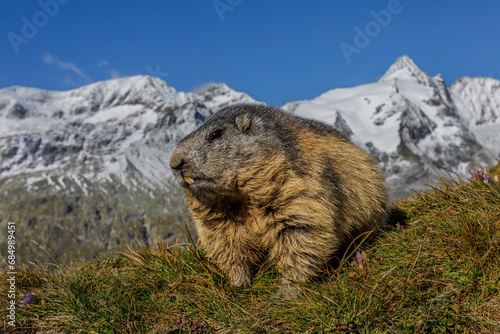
215,134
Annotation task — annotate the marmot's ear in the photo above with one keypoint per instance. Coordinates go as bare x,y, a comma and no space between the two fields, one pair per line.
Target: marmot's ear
248,123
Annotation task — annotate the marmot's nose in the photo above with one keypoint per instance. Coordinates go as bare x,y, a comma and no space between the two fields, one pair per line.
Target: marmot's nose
177,161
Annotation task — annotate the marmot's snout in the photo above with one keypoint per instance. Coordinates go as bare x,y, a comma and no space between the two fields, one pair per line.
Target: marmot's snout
177,161
179,165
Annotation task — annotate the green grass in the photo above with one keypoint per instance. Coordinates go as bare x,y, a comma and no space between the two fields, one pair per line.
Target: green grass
436,272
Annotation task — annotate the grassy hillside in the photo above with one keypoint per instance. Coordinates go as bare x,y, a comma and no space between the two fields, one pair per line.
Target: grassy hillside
435,269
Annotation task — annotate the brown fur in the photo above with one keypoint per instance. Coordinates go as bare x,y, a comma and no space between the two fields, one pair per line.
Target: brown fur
276,187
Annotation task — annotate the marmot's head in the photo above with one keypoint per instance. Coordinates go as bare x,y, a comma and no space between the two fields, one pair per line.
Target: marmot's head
209,159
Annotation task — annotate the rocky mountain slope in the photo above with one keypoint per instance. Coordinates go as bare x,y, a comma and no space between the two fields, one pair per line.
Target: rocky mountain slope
86,171
478,103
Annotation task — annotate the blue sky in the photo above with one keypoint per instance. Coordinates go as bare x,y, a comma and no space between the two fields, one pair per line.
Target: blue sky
276,51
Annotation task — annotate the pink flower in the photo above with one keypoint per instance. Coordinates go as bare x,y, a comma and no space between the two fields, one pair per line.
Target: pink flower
359,259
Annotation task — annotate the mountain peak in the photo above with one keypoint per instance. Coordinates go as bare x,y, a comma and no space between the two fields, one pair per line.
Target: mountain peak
134,83
218,95
131,90
404,68
212,87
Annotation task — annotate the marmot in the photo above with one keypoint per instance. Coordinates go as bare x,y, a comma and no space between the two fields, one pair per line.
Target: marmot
262,184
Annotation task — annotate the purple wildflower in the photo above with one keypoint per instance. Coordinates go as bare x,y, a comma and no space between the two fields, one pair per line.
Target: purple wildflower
473,173
480,175
359,259
27,299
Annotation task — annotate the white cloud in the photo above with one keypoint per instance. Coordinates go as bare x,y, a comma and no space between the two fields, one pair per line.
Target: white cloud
51,60
102,63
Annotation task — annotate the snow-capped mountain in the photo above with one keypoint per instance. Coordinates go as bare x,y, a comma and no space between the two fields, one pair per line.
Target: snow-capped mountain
411,122
80,168
478,104
133,119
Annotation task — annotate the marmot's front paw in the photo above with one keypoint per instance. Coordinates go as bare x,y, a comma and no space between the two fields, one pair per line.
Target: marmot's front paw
240,278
